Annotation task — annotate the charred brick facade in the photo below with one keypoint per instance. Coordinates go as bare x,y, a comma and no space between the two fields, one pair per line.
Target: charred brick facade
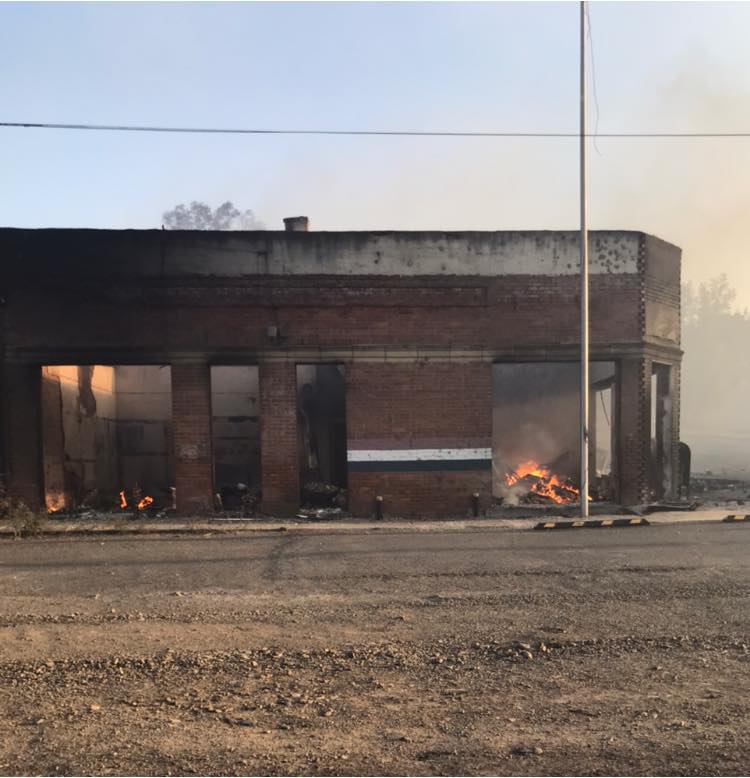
417,320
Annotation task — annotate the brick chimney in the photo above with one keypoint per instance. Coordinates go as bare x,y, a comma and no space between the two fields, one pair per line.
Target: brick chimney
297,224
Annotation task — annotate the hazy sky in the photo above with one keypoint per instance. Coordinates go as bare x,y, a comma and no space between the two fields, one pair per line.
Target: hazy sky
462,66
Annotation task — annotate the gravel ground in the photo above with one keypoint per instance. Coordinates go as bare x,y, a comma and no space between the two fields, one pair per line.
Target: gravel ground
590,652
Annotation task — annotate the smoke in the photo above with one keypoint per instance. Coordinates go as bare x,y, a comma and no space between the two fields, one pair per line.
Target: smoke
695,194
691,192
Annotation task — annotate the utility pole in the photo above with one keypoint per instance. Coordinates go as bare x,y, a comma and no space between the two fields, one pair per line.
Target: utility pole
584,283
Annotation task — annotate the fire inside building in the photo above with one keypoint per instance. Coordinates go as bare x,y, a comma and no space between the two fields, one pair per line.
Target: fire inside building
408,373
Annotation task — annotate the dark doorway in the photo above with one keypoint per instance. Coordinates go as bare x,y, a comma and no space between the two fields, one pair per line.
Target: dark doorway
321,434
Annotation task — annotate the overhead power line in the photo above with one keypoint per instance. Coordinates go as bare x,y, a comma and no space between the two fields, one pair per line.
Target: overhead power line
395,133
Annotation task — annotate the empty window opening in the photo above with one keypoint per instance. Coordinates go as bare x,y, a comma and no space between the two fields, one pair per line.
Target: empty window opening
602,450
536,432
321,435
236,437
660,469
107,437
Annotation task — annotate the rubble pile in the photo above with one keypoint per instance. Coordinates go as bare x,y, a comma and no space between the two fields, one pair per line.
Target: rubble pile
322,501
238,499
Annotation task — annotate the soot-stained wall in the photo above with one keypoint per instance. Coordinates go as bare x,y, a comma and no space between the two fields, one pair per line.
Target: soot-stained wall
415,319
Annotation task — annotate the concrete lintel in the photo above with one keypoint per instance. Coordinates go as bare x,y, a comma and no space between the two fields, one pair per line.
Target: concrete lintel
375,354
320,354
566,353
660,350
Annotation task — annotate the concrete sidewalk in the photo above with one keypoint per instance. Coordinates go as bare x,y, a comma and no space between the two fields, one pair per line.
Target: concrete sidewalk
58,527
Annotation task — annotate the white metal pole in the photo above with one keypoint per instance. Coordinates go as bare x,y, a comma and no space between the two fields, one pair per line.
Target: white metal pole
584,283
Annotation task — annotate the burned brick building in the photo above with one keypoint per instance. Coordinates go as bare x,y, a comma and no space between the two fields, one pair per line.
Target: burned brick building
421,368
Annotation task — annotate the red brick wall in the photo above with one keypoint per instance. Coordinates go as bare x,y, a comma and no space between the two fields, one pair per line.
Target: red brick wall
191,422
510,312
418,405
278,438
418,495
395,405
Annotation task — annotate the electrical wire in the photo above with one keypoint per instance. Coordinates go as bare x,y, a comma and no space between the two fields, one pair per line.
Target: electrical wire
593,76
391,133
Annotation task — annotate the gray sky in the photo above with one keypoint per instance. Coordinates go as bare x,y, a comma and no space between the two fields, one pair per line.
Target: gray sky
488,66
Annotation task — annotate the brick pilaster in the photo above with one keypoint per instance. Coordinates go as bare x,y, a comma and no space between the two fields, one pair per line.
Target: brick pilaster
634,433
675,394
22,431
191,421
278,438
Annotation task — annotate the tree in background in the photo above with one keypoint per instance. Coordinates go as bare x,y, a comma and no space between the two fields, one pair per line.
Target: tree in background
200,216
712,298
715,384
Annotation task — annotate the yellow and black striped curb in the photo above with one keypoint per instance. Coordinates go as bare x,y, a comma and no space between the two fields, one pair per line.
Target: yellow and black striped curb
733,518
592,523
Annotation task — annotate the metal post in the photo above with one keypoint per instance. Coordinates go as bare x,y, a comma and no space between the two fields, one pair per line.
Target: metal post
584,283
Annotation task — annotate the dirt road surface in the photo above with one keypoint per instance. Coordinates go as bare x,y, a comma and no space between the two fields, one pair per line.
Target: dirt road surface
618,651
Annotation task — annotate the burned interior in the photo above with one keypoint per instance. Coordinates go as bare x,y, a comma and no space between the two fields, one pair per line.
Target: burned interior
536,429
107,437
268,372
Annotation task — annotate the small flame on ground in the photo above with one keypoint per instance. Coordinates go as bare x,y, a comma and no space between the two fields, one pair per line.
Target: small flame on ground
55,502
141,505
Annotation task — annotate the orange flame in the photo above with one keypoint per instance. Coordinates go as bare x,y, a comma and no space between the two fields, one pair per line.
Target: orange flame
145,502
55,502
546,484
123,501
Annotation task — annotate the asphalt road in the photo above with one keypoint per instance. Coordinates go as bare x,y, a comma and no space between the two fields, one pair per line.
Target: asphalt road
309,561
612,651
